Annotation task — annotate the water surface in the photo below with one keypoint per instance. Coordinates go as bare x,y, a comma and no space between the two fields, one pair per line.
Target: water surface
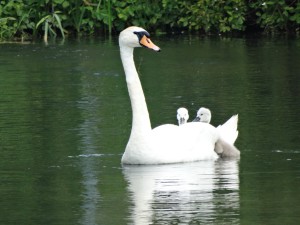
65,119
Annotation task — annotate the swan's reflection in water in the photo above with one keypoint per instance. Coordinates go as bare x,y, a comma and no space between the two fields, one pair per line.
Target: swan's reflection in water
193,193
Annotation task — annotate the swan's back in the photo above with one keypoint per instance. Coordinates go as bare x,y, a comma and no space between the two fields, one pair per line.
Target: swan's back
172,144
228,131
185,143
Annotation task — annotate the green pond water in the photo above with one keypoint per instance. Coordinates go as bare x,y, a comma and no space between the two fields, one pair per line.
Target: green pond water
65,118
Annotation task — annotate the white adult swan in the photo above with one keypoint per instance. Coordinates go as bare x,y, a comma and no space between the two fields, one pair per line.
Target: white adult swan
166,143
182,115
228,133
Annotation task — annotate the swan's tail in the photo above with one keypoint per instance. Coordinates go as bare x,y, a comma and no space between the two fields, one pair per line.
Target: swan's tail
228,131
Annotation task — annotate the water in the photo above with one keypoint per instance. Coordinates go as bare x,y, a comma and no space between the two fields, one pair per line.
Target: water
65,119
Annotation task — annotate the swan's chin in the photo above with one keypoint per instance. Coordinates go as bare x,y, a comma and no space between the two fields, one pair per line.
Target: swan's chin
197,119
157,49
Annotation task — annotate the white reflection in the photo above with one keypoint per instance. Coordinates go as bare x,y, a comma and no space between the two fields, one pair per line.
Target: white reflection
184,193
91,195
89,133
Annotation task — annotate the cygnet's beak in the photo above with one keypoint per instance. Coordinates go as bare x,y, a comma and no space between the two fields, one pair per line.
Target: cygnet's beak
197,119
182,121
146,42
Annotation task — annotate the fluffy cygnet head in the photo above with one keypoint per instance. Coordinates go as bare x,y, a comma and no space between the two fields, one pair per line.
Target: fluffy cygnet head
182,116
203,115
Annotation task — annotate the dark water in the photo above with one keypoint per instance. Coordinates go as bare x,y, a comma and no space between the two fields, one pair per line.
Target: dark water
65,119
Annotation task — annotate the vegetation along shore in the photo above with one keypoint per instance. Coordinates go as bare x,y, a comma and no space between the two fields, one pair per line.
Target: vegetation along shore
34,19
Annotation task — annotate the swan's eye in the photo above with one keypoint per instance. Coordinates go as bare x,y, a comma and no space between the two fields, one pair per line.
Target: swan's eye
141,34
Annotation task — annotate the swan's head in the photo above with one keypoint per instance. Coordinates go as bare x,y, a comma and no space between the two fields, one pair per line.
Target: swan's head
136,37
203,115
182,116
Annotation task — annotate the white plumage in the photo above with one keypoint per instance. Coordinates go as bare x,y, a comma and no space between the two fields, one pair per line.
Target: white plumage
228,130
182,115
166,143
228,133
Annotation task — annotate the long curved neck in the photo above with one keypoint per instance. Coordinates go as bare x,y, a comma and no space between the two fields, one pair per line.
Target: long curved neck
140,116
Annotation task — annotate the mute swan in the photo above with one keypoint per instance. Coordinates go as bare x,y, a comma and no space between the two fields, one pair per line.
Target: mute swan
166,143
182,116
228,133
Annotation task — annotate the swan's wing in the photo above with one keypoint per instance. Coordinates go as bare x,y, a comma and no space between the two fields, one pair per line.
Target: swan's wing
228,131
188,142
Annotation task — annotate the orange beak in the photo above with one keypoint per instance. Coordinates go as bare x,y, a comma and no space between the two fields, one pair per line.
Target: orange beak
146,42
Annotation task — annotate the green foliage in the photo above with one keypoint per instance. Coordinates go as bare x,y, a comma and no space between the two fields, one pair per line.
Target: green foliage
35,18
51,22
219,16
277,14
6,30
14,19
140,13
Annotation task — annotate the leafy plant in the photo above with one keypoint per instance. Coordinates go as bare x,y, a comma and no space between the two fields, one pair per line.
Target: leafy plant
14,19
6,31
276,14
35,18
77,15
51,23
220,16
296,14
